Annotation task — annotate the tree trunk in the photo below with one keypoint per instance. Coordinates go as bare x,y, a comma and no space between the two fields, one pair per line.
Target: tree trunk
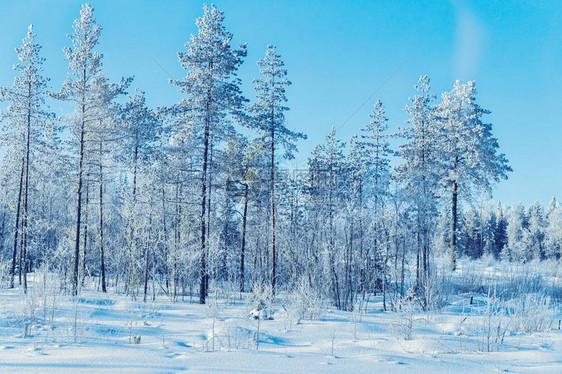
334,275
165,239
17,226
418,259
23,255
74,279
402,267
146,253
85,227
102,260
203,226
132,241
272,204
209,202
348,264
454,228
243,239
384,269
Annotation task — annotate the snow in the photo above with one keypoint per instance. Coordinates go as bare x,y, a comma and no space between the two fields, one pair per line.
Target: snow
96,332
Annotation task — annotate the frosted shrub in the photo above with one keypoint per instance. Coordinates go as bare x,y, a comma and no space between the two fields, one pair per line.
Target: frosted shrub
233,334
557,290
262,297
435,294
76,319
228,291
519,282
306,302
403,324
470,281
213,313
27,312
48,290
133,311
4,272
491,324
532,313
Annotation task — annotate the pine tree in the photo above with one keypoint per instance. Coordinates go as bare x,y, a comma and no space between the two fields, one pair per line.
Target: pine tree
359,170
418,175
29,125
500,231
536,231
269,114
467,149
328,170
516,248
140,132
469,235
377,151
105,131
88,90
213,92
553,233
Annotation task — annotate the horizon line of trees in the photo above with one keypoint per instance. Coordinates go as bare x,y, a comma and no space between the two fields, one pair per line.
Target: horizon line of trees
177,199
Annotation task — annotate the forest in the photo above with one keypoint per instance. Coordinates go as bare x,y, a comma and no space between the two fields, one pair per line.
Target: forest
162,239
196,196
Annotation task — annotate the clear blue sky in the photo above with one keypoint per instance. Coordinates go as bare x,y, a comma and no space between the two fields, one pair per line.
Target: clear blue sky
338,53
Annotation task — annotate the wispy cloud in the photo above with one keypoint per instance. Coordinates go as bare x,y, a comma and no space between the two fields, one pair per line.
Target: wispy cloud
470,43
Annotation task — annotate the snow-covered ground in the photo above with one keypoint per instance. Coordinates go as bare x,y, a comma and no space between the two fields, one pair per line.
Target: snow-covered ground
46,332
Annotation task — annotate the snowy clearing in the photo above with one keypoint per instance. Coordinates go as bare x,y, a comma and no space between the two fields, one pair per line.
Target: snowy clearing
47,332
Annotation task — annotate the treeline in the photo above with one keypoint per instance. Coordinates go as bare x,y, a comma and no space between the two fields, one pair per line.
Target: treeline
177,200
513,234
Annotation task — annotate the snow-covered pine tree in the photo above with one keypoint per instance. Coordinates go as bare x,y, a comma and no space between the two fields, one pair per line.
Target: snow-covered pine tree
469,235
467,150
29,126
213,92
553,233
536,231
377,151
359,171
140,131
419,174
243,160
500,231
105,130
269,118
516,248
329,169
85,87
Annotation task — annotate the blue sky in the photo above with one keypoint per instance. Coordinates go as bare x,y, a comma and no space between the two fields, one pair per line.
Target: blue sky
338,53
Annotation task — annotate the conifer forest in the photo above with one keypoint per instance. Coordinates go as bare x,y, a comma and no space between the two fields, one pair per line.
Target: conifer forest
112,209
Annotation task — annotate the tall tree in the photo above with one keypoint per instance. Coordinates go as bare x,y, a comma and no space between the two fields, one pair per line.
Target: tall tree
328,169
140,133
468,150
28,122
418,174
82,88
104,131
269,112
377,150
213,92
359,169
